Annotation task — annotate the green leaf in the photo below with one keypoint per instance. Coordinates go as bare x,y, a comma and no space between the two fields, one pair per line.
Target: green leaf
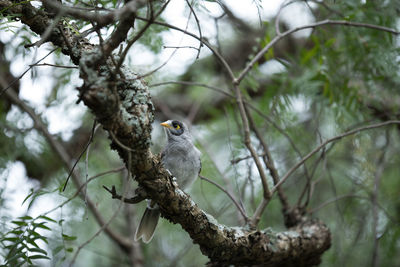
28,196
41,225
68,238
11,239
47,218
25,218
17,231
19,223
38,257
32,242
57,249
39,250
37,236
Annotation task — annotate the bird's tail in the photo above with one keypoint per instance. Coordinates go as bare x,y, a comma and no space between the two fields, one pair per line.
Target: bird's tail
148,224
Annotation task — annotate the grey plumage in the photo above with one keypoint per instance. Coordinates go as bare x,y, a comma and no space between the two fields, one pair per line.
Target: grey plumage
182,159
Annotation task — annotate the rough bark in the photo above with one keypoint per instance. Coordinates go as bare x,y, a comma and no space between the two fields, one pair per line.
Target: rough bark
122,104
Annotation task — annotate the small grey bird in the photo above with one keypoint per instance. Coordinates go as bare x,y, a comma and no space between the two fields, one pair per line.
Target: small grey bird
182,159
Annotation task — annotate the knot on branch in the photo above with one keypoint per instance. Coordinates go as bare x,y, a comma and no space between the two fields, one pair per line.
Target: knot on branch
140,195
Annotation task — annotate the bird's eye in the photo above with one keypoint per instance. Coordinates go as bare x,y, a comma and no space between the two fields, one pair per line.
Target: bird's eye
177,127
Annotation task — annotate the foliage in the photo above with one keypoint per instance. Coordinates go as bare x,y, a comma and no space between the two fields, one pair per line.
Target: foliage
21,242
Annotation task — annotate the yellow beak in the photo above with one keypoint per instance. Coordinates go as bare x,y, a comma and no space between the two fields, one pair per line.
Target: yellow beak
165,124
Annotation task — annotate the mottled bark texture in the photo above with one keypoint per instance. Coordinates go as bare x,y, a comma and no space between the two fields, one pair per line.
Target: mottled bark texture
122,104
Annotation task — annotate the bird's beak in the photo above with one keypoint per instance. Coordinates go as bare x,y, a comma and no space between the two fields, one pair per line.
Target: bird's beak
166,124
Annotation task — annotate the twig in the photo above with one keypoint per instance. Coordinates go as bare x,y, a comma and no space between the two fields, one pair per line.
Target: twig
194,84
236,161
80,155
308,186
48,31
259,211
82,186
247,141
315,150
229,195
168,59
227,182
22,75
179,47
332,200
198,26
53,65
139,197
213,50
374,201
278,15
87,162
268,160
119,142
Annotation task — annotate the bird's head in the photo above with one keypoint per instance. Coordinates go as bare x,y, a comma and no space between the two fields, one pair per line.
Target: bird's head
176,130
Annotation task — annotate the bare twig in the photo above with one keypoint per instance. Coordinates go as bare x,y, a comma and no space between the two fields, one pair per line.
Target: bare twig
170,56
83,185
315,150
179,47
213,50
198,26
268,160
28,69
80,155
308,186
374,200
48,31
139,197
53,65
114,138
227,182
247,141
237,160
194,84
238,206
333,200
278,16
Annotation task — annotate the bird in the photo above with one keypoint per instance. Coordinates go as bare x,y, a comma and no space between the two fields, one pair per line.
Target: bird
182,159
